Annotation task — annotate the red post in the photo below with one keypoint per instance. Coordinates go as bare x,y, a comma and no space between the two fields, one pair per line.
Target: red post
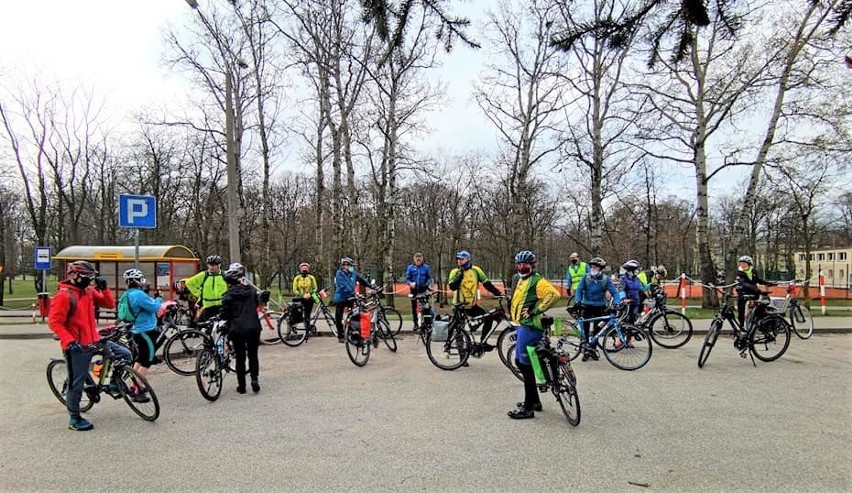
683,293
822,291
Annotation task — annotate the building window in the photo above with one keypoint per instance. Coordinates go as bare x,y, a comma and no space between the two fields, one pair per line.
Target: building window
811,257
841,274
831,273
842,255
821,256
801,257
830,256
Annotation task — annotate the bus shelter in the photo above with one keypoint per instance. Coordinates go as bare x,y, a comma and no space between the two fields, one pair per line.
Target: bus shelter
161,264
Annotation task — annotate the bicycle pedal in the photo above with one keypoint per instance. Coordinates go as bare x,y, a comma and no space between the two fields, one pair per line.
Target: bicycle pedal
542,388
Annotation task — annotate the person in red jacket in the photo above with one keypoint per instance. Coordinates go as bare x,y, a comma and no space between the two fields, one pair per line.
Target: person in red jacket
73,321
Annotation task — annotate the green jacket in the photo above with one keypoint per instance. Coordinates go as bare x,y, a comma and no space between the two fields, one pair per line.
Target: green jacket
208,288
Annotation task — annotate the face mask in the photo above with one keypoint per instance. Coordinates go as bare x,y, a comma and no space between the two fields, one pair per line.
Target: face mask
594,271
304,274
525,270
82,281
630,273
574,261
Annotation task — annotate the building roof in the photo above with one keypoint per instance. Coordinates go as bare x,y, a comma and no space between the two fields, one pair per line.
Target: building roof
147,253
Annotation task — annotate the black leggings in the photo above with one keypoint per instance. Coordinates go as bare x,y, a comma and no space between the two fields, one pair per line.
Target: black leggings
246,344
591,311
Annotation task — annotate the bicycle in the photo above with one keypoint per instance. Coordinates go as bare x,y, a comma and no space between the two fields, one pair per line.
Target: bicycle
269,319
361,341
294,327
798,315
181,350
214,360
668,328
387,313
425,314
453,349
625,346
764,328
555,366
107,375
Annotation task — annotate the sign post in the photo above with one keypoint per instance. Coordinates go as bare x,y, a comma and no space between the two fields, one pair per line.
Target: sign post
43,263
137,212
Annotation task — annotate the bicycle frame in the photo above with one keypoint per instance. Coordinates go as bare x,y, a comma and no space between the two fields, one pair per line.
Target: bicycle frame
612,321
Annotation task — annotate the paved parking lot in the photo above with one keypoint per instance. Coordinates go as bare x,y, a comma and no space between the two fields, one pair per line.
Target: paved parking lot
399,423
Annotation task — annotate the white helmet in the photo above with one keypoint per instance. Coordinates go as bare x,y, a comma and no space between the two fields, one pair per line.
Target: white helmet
134,276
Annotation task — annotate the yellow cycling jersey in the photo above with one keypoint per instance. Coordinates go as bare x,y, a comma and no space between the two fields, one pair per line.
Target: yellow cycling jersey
304,285
536,294
471,278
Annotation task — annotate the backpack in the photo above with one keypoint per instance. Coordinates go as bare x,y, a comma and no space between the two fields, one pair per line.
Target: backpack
123,312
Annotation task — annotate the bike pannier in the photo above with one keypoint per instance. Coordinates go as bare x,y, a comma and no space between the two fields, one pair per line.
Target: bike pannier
440,329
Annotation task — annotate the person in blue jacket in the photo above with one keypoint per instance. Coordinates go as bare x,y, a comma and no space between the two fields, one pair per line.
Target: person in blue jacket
632,288
418,276
345,281
591,298
144,330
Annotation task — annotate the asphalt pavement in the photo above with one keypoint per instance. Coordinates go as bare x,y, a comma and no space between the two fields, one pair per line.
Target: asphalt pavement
322,424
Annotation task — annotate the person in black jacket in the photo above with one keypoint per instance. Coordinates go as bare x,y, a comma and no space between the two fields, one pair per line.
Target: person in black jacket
239,311
748,280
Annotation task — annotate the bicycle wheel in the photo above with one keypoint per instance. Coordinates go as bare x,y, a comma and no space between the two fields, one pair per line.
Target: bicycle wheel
629,351
357,348
801,320
57,380
670,329
269,335
709,341
565,390
137,393
570,342
571,303
506,343
386,335
452,353
769,338
393,317
511,363
208,375
291,334
181,351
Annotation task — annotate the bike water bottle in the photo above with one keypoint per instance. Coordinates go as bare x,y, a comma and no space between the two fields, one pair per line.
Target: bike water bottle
220,346
539,373
97,367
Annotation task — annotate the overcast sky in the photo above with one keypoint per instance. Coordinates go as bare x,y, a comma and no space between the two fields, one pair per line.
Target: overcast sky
117,47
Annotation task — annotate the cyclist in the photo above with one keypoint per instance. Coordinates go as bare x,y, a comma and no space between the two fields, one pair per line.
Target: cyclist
208,287
304,288
465,280
345,280
531,297
591,297
143,310
632,287
239,311
72,319
747,280
575,272
654,275
185,298
418,276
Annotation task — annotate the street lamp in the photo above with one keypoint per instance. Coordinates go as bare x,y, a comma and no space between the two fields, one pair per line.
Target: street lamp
234,212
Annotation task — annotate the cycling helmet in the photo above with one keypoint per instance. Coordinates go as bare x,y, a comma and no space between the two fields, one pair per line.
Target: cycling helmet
134,276
463,254
304,265
83,268
525,257
598,262
347,261
747,259
179,285
234,273
630,265
214,259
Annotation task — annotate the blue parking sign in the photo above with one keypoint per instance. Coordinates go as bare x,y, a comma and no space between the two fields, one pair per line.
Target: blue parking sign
137,211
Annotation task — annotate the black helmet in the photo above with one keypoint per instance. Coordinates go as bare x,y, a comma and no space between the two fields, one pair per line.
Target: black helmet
235,272
631,265
214,259
525,256
82,268
597,261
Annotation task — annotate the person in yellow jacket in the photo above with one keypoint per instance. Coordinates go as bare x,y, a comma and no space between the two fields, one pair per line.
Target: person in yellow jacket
208,287
304,288
465,280
575,272
532,296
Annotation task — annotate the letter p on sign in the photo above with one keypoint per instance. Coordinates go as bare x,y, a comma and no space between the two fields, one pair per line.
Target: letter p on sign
137,211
